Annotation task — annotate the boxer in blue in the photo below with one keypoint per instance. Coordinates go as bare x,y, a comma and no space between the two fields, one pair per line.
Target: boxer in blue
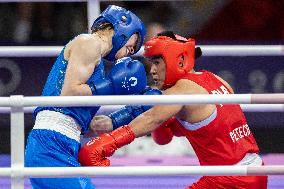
79,71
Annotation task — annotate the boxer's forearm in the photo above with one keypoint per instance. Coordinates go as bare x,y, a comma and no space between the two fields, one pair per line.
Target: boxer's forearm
153,118
144,124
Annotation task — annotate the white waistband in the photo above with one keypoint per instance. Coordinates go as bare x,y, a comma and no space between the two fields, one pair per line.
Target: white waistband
251,159
58,122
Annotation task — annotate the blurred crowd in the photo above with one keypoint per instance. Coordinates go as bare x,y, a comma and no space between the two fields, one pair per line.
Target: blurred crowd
224,21
46,23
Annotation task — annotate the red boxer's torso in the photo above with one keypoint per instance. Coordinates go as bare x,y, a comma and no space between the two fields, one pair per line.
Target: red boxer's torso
226,139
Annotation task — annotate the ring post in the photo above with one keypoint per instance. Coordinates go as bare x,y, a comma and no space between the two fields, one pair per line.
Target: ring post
93,11
17,141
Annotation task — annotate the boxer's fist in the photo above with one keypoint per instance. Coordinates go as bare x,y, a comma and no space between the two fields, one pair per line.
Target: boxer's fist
96,151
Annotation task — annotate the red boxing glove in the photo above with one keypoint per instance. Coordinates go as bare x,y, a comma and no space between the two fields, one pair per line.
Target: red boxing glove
165,132
176,127
94,152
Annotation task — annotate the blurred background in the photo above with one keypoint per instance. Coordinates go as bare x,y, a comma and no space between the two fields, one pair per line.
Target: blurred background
223,22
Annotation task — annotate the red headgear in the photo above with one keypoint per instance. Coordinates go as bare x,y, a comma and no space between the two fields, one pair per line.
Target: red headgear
171,50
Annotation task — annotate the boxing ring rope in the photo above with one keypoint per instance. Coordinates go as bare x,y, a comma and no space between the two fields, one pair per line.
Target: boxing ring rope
18,172
49,172
208,50
110,108
67,101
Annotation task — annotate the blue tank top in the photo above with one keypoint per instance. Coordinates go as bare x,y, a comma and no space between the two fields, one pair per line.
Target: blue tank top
53,87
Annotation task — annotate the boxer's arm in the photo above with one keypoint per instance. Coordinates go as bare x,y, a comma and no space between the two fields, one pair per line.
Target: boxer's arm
102,123
126,114
96,151
83,55
153,118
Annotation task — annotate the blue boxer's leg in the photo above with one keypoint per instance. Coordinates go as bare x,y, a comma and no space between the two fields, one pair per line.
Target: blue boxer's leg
46,148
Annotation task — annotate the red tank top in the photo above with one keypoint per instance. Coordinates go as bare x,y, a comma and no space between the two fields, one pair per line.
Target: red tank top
227,138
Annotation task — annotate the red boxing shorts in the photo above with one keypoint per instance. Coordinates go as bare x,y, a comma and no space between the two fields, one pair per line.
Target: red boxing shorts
230,182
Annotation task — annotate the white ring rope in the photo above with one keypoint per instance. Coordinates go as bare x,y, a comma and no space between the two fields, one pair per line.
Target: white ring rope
44,172
68,101
208,50
104,110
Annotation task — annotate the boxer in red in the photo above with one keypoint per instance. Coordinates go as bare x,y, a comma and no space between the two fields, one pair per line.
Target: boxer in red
219,134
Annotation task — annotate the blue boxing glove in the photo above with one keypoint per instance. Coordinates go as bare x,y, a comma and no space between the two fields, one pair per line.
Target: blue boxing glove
126,77
126,114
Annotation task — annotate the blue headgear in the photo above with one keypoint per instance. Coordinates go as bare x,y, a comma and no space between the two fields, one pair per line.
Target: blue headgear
125,24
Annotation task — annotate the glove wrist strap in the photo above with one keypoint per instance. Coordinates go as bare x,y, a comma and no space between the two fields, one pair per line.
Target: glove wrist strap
123,136
101,87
